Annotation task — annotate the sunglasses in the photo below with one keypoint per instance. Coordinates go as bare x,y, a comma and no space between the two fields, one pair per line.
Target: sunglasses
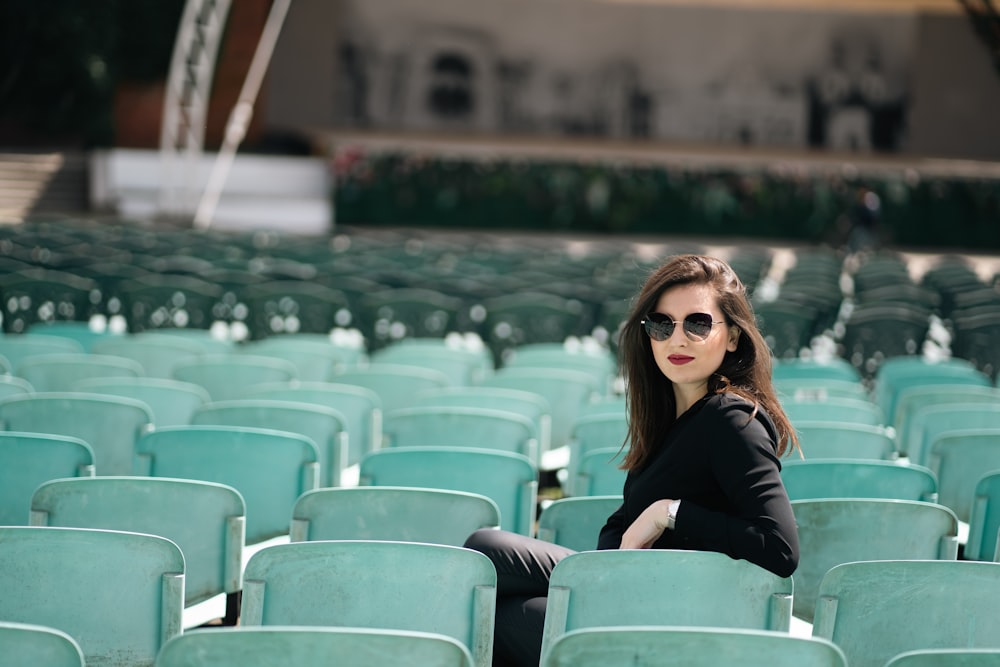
696,326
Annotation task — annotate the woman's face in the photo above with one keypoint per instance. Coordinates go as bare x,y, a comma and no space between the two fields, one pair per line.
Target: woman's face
688,363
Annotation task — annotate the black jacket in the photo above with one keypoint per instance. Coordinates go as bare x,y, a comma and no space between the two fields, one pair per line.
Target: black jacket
721,463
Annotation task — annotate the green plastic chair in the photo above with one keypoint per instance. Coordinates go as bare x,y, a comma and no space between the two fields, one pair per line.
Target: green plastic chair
663,587
206,520
398,313
575,523
158,353
844,410
598,361
374,584
819,389
691,647
599,474
109,424
839,440
875,610
592,432
528,403
81,331
947,657
833,368
959,459
361,409
349,348
509,479
405,514
912,403
324,426
841,530
983,542
20,347
926,426
295,306
226,377
119,595
172,402
11,385
394,384
458,426
861,478
464,367
270,469
38,646
567,391
61,372
29,459
901,373
316,359
265,646
788,327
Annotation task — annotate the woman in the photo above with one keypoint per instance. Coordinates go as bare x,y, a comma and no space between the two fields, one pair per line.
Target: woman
705,435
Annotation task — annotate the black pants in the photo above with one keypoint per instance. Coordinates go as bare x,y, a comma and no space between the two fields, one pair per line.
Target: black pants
523,567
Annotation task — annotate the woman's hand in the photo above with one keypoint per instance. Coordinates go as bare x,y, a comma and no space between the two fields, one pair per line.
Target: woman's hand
648,527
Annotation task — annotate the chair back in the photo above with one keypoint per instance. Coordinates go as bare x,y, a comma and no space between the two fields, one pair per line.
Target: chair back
691,647
404,514
29,459
509,479
172,402
983,541
575,523
875,610
361,409
375,584
459,426
663,587
591,432
111,425
323,425
270,469
598,473
120,595
959,459
38,646
158,354
227,376
61,372
206,520
947,657
839,440
265,646
840,530
860,478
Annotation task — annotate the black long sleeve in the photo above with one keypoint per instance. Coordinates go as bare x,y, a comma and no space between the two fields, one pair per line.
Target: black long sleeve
719,460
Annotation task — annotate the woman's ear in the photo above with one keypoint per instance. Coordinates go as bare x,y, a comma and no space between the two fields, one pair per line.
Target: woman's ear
734,338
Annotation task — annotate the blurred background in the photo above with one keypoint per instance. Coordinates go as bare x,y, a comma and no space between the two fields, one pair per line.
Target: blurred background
795,120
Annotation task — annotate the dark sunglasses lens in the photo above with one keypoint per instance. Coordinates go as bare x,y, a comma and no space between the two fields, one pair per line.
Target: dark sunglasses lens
698,325
658,328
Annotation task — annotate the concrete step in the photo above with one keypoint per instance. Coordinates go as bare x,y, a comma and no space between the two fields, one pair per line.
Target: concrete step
42,183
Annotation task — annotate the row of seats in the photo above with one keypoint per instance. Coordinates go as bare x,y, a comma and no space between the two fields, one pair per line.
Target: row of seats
863,616
394,285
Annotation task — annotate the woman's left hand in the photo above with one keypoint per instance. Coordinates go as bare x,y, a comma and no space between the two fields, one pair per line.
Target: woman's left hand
648,527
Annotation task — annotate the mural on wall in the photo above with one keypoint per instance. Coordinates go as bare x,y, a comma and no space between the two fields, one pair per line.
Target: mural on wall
623,70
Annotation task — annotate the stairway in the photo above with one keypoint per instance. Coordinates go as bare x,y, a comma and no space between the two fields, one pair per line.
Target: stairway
42,183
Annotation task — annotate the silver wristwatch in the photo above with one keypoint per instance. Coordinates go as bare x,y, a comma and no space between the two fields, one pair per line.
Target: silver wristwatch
672,513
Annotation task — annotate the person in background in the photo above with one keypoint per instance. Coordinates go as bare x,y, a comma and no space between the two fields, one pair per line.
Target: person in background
706,432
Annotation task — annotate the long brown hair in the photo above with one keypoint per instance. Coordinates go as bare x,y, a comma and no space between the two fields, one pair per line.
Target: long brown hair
652,407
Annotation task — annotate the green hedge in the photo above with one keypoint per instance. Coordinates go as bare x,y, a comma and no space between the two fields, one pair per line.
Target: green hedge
767,202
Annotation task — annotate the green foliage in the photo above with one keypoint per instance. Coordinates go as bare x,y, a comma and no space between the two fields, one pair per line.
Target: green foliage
807,205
